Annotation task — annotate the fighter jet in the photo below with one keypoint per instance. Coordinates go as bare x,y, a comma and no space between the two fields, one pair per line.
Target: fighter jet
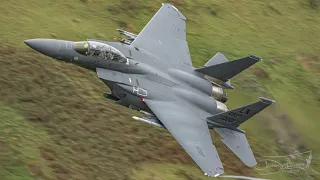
154,75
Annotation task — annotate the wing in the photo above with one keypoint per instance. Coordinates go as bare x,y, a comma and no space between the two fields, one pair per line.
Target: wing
191,132
165,36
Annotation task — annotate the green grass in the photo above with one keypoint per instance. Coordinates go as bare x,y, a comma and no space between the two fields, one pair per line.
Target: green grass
20,142
55,124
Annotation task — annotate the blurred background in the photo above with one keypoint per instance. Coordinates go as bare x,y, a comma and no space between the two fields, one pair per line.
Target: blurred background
55,123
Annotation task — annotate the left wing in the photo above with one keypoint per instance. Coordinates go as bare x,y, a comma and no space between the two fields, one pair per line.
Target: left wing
191,132
165,36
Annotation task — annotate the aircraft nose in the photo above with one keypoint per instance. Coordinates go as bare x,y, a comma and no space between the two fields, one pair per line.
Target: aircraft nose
47,47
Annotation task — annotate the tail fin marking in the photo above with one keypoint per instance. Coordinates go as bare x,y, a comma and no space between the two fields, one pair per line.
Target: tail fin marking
235,117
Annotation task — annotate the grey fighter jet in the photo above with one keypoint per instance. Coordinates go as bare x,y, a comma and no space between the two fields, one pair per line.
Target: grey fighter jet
154,74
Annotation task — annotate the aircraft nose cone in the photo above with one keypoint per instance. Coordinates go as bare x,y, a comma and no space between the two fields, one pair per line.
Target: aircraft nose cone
47,47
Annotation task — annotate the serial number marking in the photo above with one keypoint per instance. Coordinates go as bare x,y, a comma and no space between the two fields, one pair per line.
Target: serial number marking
246,111
228,119
234,114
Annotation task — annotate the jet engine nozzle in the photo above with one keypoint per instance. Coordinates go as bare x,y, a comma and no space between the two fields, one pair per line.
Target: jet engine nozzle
219,94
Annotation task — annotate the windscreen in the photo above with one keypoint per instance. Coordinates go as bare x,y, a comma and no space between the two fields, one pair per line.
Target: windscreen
81,47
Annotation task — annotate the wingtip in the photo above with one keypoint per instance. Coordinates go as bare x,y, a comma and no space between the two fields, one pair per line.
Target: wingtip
215,175
251,163
266,100
176,9
255,57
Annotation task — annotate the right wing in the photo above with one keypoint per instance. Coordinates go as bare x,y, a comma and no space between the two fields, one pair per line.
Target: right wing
191,132
165,36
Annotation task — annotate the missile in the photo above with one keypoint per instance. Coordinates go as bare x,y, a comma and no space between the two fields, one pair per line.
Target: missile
151,121
146,113
128,34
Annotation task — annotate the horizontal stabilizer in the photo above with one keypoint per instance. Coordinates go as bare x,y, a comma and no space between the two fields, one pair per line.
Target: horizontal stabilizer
235,117
226,70
239,145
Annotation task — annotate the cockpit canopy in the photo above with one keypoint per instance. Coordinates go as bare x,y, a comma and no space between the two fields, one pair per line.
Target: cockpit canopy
100,50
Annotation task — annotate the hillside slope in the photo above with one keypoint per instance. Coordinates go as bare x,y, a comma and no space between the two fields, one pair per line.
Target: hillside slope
55,123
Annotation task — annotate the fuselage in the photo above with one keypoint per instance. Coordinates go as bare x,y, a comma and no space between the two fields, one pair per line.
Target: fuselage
135,74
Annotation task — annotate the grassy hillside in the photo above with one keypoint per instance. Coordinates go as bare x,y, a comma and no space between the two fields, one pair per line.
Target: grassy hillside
55,123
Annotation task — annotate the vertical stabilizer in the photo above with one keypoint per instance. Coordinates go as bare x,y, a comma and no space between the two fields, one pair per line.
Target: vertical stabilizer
218,67
216,59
